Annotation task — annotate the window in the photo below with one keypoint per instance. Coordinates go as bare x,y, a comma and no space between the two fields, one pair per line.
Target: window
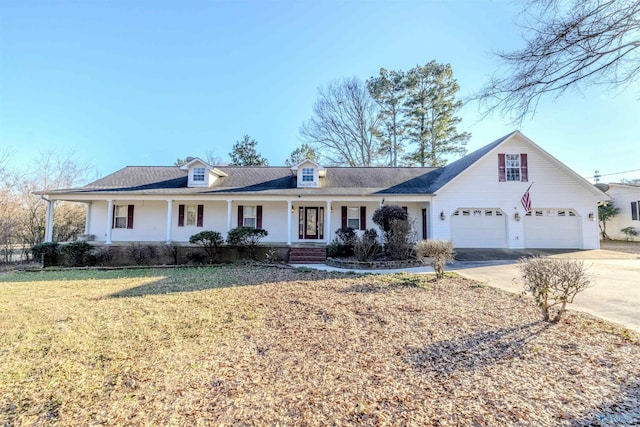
190,215
353,218
249,216
634,210
123,216
513,167
307,175
198,174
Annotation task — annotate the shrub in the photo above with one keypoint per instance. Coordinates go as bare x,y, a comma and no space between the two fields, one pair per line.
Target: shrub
172,250
385,215
553,282
367,247
630,232
77,253
435,253
209,240
400,241
342,244
247,238
47,253
141,254
101,255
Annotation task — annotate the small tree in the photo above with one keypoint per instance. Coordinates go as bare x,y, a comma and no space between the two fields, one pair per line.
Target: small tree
209,240
400,240
605,213
247,238
630,233
553,282
435,253
244,153
385,215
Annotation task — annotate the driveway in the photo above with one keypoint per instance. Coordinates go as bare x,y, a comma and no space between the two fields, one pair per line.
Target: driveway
614,295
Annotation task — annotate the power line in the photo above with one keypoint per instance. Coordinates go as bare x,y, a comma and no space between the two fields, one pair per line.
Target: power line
615,173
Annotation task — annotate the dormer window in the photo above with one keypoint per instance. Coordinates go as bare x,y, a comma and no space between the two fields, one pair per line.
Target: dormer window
307,175
198,174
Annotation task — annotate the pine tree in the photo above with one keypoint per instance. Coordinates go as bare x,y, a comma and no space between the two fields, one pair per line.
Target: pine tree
244,153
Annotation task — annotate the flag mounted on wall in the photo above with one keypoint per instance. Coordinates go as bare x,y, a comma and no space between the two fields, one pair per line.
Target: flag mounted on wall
526,200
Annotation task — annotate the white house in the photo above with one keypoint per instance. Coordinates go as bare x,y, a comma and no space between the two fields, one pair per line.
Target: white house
475,201
626,197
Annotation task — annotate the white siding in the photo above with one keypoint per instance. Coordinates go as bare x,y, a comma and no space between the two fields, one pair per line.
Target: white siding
622,196
552,187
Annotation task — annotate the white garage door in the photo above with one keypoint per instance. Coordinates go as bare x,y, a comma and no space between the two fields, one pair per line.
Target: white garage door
552,228
479,228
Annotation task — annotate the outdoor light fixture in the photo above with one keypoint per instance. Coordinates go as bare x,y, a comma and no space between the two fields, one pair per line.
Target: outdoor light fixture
517,216
293,209
592,217
442,215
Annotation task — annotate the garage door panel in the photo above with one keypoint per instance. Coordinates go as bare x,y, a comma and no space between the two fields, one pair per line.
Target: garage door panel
552,228
479,228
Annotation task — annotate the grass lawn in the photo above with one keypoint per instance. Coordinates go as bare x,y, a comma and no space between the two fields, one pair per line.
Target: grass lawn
252,345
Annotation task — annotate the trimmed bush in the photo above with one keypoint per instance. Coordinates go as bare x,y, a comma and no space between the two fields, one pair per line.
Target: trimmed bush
47,253
246,238
384,216
77,253
435,253
553,282
209,240
342,244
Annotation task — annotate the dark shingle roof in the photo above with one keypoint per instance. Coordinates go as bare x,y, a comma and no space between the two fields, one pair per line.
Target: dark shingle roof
281,181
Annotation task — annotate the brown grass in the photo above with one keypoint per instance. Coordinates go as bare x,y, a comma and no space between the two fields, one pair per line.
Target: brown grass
195,347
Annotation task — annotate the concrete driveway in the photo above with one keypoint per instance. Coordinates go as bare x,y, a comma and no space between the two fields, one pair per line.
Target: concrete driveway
614,296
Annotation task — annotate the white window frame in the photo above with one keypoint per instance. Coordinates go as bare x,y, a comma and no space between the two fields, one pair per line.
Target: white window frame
308,175
198,174
353,214
249,214
120,220
513,166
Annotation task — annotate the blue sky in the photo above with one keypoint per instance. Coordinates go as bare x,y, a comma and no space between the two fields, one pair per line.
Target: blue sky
143,83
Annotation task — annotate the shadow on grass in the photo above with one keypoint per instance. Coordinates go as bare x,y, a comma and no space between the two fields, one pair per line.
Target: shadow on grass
624,411
227,276
475,351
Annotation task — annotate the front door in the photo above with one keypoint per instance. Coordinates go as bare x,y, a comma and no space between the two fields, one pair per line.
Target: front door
311,220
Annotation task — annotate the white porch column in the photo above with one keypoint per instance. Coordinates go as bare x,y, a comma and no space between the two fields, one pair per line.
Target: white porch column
169,210
289,214
109,220
48,230
87,219
327,222
229,201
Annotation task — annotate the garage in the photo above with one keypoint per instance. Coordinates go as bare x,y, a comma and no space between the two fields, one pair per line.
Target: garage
479,228
552,228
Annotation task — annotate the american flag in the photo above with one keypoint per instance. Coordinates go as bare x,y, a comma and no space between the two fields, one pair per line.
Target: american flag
526,200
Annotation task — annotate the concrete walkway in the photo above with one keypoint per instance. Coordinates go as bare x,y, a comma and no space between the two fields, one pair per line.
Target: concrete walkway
614,295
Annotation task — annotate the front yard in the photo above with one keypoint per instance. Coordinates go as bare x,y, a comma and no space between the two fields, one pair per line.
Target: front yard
251,345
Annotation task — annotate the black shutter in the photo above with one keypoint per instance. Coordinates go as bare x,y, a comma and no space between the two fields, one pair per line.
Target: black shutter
424,224
363,217
130,217
240,215
180,215
200,218
344,217
634,210
259,216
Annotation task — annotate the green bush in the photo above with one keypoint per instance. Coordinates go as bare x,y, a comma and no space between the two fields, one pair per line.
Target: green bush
384,217
47,253
342,244
435,253
246,238
209,240
77,253
630,233
553,282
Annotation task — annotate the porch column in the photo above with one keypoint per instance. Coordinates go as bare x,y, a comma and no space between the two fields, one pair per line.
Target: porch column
327,222
48,230
109,220
289,207
87,220
229,201
169,209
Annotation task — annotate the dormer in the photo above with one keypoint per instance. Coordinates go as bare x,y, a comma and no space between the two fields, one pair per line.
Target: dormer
201,174
308,174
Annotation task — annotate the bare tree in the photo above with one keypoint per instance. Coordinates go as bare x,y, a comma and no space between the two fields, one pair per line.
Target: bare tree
344,124
569,44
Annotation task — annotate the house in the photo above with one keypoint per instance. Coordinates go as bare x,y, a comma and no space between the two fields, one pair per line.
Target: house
626,197
476,202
